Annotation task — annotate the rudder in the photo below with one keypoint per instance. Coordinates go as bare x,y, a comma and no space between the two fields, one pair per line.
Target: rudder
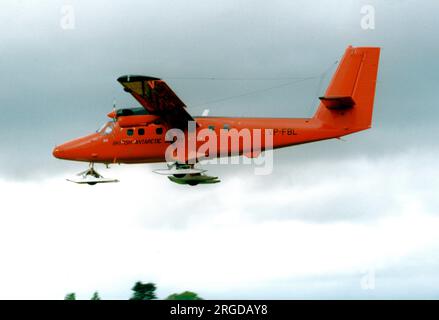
348,100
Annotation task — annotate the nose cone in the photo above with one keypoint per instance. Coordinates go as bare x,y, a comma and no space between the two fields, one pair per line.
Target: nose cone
80,149
58,152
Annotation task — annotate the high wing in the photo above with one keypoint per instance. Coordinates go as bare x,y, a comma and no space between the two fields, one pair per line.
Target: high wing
157,98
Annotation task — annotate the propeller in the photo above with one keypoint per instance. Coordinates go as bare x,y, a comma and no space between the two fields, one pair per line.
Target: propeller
113,114
114,110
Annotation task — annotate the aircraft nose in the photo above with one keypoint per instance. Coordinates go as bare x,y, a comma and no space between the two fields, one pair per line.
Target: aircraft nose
78,149
57,152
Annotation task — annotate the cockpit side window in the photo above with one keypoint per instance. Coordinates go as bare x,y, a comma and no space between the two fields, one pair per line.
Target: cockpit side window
101,128
107,128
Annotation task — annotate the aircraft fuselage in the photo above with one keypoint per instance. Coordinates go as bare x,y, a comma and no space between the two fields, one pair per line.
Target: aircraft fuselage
147,143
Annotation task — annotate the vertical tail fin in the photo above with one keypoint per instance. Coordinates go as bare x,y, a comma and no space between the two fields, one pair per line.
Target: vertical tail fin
348,100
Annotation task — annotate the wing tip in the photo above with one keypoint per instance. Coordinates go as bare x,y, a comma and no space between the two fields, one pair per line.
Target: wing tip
132,78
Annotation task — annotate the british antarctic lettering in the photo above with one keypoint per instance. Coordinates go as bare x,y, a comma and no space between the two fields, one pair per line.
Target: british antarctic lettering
138,141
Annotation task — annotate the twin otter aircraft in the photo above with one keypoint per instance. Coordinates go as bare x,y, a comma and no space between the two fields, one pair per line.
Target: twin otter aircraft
139,135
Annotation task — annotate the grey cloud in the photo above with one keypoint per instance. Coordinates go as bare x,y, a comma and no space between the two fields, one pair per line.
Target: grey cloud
59,84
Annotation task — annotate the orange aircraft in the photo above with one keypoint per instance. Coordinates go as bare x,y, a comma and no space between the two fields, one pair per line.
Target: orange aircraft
139,135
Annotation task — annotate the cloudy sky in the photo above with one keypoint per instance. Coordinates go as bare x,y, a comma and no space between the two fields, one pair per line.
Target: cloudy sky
336,219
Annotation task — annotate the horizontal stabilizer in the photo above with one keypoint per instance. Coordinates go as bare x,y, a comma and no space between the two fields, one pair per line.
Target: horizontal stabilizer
337,102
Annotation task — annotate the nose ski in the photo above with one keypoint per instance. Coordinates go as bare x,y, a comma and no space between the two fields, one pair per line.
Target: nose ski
90,177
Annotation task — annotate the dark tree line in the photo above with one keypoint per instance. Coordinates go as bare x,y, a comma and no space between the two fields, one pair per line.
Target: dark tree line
145,291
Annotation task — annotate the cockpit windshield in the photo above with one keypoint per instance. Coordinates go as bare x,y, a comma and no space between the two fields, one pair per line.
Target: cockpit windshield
106,128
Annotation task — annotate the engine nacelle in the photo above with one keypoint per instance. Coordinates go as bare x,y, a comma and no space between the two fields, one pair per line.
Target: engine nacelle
127,112
136,121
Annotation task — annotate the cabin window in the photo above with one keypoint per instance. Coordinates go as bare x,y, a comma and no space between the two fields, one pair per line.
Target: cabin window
159,130
211,128
130,132
141,131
